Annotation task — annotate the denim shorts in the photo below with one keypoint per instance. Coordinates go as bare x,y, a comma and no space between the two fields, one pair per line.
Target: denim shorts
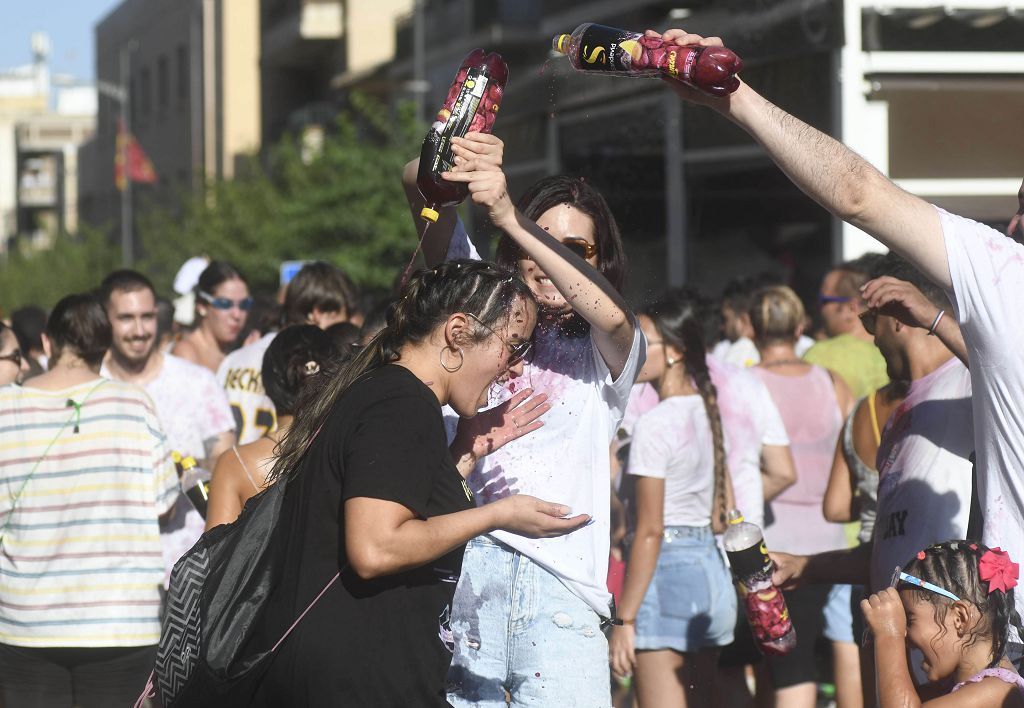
839,614
690,603
519,630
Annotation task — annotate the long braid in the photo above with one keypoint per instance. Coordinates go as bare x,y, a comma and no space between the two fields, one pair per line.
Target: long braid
677,317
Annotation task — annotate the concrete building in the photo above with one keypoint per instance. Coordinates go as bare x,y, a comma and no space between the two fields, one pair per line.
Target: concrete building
190,72
38,151
932,95
312,50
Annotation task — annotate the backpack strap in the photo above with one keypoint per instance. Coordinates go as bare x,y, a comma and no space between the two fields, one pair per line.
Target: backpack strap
310,607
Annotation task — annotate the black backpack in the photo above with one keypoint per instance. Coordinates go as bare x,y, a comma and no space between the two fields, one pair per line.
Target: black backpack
218,593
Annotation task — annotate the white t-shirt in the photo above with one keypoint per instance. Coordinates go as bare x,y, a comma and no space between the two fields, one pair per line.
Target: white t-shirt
567,460
743,352
240,374
750,420
987,271
192,409
924,488
673,442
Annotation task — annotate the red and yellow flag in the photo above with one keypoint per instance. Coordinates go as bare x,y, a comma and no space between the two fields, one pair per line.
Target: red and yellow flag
139,167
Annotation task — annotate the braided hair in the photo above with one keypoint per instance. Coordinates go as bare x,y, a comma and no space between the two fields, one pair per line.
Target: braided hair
954,566
427,300
677,316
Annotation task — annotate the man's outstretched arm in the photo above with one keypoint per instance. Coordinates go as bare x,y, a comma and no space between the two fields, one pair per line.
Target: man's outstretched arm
832,174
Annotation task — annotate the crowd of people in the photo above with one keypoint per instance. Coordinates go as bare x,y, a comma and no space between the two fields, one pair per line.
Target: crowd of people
519,482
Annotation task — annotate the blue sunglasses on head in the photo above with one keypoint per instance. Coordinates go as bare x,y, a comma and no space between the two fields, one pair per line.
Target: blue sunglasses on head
899,576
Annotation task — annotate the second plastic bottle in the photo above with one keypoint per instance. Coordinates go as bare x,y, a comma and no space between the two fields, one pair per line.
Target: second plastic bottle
471,104
596,48
764,604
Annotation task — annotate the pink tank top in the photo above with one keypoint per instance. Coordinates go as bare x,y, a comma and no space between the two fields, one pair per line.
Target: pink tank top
810,412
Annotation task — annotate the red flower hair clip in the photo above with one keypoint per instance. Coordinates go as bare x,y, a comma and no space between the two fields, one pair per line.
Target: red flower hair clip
996,568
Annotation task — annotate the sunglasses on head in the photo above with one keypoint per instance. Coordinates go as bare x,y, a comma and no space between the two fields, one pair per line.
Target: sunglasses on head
517,350
826,299
223,303
14,357
581,247
898,576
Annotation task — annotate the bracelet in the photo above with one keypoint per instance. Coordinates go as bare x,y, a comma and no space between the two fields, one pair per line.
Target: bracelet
626,622
935,322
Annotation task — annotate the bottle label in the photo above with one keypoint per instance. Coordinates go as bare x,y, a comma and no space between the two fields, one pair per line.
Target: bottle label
750,561
456,123
766,612
608,49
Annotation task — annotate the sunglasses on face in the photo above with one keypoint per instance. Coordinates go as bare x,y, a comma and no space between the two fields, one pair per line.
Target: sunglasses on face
581,247
223,303
826,299
899,576
14,357
517,350
869,318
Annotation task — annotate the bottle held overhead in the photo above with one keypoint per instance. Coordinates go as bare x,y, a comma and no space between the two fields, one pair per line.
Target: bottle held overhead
763,602
600,49
471,105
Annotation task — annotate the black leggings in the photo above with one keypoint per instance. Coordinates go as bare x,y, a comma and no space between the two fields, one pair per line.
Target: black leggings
61,677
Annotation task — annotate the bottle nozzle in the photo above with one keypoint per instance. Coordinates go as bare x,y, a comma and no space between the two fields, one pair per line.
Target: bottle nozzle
561,43
734,517
429,214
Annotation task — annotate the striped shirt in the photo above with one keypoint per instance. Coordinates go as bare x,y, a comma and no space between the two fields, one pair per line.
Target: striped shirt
80,562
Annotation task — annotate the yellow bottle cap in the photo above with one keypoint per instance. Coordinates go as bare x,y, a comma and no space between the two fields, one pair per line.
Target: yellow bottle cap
561,43
176,457
188,463
429,214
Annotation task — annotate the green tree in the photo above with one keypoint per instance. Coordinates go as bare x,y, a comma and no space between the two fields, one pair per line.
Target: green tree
342,203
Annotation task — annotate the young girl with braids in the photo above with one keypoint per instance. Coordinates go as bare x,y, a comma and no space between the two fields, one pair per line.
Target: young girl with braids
954,603
528,613
678,605
374,493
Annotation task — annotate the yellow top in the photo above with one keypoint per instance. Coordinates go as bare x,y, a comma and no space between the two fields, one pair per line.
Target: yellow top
560,43
429,214
188,463
176,457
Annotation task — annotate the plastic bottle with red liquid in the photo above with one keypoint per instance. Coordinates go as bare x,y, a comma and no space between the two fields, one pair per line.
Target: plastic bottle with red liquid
471,105
606,50
764,604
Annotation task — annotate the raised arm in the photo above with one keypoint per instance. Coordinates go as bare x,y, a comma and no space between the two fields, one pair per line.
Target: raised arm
436,236
902,300
831,174
583,286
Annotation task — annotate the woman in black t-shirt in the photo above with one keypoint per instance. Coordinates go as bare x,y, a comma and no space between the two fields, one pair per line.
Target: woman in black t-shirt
377,495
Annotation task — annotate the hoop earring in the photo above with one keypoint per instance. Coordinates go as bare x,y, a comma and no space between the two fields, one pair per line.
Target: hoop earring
452,370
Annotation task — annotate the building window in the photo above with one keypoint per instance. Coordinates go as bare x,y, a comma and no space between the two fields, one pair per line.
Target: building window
145,91
163,88
182,75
